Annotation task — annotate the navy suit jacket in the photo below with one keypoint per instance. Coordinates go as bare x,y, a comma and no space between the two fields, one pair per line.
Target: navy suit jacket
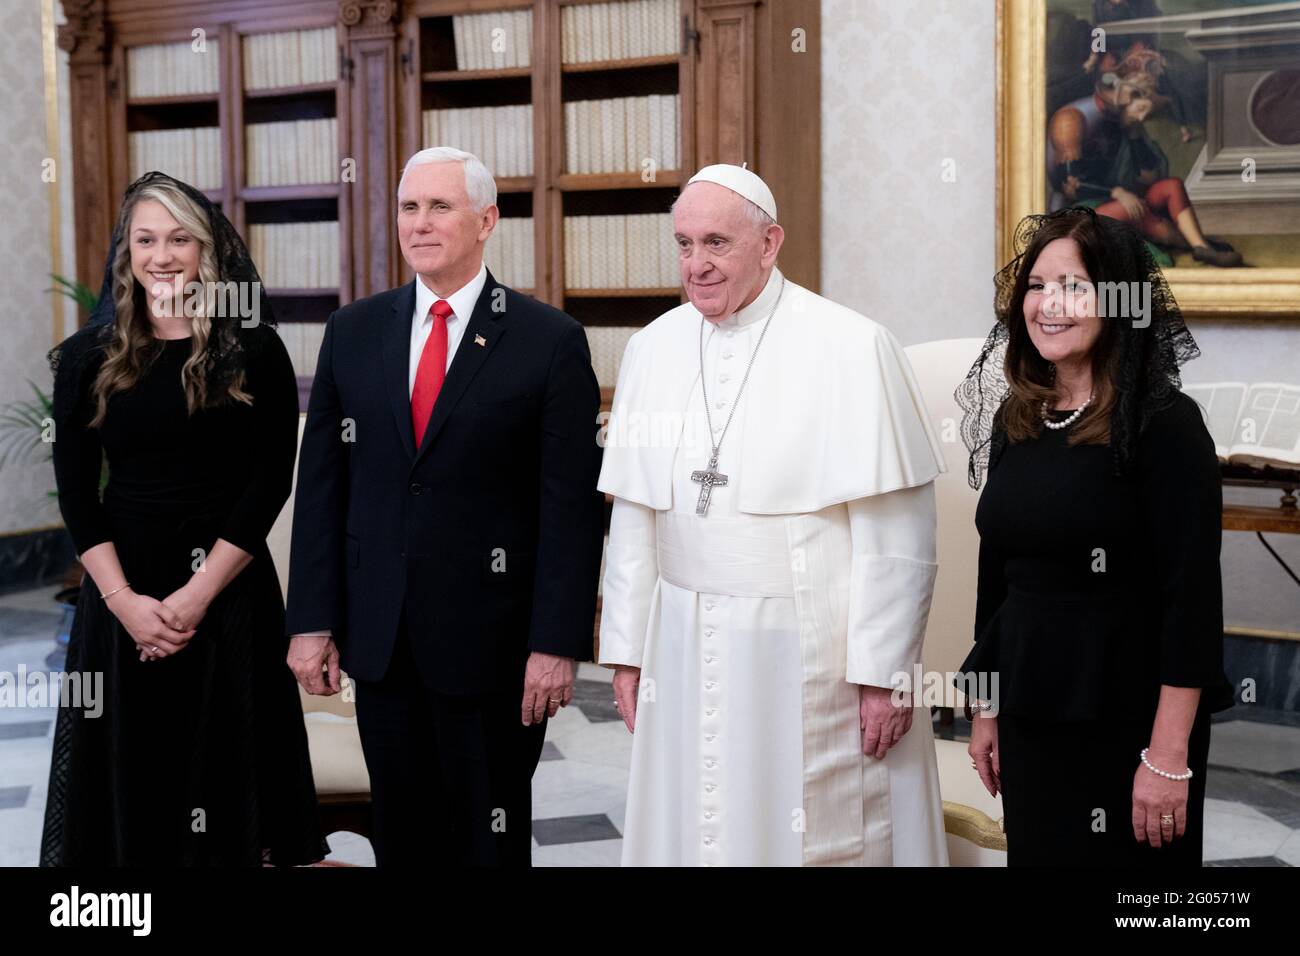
489,534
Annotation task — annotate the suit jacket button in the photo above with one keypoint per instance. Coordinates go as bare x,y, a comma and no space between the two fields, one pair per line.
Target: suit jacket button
415,488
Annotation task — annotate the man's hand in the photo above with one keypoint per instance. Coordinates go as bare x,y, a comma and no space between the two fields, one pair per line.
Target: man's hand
627,680
883,722
314,660
548,686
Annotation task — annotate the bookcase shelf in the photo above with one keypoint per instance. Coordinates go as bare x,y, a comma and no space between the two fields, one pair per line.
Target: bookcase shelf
623,293
458,76
583,182
180,99
304,89
631,63
282,193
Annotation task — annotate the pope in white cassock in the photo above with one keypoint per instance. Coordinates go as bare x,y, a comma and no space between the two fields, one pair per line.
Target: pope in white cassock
771,563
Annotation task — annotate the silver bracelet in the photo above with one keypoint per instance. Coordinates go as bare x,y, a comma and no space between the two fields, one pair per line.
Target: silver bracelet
1154,769
115,590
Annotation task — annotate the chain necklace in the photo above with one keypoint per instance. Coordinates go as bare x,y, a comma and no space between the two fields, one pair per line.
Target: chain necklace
710,477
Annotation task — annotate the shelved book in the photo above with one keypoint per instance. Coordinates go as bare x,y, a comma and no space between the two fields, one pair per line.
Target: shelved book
509,252
493,41
1253,425
596,32
173,69
607,344
296,255
501,136
293,58
191,155
302,340
291,153
620,135
620,252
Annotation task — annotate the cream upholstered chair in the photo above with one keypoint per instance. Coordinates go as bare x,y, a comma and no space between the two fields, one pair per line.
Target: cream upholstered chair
971,817
337,763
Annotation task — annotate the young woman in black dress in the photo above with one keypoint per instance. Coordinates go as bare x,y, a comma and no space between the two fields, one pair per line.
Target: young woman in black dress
200,755
1099,609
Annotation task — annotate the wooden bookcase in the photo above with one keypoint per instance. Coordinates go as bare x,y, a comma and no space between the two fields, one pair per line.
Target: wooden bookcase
746,94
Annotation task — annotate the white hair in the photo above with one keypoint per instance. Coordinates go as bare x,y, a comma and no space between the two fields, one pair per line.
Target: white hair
479,184
754,213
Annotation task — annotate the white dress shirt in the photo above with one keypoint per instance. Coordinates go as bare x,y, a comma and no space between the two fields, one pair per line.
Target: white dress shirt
462,307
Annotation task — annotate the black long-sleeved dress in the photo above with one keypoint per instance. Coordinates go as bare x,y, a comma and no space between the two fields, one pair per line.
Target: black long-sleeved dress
199,758
1095,590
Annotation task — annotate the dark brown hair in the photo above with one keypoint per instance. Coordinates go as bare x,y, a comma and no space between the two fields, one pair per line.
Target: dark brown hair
1031,377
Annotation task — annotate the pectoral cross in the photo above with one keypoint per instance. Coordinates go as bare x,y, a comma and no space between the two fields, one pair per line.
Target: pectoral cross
707,478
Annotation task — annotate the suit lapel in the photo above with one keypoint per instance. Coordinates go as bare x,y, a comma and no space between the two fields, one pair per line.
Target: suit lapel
481,336
396,348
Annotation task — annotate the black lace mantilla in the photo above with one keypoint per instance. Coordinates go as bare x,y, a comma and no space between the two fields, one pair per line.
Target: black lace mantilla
230,344
1147,378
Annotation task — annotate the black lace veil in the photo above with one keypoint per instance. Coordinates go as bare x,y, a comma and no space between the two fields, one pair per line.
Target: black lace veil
231,341
1146,364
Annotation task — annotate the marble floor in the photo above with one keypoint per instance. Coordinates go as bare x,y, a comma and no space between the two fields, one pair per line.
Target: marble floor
1252,807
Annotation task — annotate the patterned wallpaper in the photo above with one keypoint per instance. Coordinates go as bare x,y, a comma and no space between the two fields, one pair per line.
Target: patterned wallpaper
25,252
907,163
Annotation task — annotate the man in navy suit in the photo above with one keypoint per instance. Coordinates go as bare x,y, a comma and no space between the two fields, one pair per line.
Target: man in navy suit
447,529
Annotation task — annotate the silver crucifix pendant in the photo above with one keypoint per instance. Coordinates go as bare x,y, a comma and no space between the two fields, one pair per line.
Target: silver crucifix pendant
708,478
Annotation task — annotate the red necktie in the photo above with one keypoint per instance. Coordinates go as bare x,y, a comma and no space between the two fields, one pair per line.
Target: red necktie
431,371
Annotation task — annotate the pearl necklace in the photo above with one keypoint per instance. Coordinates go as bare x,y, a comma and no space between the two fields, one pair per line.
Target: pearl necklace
1065,422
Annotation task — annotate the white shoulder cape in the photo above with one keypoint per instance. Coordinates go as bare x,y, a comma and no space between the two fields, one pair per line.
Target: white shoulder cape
833,413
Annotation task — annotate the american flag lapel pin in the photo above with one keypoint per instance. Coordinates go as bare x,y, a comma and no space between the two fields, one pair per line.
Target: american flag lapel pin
479,340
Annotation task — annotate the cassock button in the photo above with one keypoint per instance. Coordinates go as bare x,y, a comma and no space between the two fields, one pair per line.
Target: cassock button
731,333
719,404
724,378
416,488
710,684
708,815
727,354
709,606
710,764
709,660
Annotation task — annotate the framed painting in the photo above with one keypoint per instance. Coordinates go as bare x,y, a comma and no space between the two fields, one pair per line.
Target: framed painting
1179,116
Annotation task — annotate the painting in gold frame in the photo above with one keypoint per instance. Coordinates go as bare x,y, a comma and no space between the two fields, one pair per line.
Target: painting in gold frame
1228,34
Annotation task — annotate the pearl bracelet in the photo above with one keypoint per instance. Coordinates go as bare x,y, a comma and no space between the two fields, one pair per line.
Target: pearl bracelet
1154,769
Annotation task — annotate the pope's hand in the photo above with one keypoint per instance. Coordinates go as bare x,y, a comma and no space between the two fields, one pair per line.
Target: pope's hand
627,680
548,686
313,658
883,722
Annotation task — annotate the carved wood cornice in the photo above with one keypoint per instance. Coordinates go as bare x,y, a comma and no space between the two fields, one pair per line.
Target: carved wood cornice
84,37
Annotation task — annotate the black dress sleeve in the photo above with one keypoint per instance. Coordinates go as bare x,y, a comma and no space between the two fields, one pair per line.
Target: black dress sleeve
1181,495
78,458
991,587
273,444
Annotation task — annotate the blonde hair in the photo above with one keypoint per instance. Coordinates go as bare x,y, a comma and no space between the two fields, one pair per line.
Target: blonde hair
133,347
